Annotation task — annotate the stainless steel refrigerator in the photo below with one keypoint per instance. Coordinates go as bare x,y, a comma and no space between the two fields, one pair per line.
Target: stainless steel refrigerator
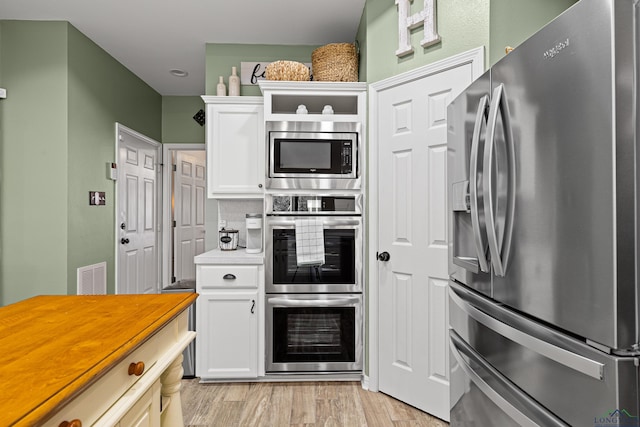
544,200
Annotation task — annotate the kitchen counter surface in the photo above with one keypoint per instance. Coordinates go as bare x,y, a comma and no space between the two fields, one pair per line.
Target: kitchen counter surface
54,347
239,256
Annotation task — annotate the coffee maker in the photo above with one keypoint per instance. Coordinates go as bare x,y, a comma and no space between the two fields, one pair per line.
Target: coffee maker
254,233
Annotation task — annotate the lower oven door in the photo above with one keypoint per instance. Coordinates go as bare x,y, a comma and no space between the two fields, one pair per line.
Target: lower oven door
314,333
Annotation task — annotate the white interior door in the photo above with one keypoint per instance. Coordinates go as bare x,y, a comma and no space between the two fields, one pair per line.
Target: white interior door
412,229
189,205
137,231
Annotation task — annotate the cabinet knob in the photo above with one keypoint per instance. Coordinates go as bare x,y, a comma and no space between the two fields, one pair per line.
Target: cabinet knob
136,369
72,423
229,276
259,185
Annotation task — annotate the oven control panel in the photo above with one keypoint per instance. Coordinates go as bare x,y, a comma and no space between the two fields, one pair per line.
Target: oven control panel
314,204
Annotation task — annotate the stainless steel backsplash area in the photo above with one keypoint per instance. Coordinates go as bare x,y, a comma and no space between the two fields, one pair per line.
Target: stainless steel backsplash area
234,211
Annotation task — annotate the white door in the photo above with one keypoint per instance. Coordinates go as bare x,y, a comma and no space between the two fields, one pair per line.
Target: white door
189,202
137,232
412,229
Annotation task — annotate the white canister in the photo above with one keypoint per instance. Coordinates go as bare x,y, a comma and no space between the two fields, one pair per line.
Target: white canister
228,239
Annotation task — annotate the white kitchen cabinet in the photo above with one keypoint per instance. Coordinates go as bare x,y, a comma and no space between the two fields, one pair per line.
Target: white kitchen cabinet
230,321
235,146
347,100
230,349
146,411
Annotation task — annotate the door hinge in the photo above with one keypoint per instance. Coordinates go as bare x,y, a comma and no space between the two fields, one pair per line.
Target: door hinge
173,279
175,168
174,224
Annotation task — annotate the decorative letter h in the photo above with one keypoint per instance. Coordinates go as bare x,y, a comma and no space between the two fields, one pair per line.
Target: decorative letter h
406,23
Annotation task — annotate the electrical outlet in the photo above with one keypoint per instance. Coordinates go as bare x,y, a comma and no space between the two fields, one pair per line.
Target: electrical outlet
221,224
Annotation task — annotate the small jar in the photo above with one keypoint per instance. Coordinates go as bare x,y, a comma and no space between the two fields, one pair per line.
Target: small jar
221,89
234,83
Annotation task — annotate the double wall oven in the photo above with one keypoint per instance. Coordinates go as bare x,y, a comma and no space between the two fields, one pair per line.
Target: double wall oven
314,309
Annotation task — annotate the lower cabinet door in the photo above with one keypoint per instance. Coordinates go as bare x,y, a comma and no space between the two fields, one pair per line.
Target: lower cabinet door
146,411
227,343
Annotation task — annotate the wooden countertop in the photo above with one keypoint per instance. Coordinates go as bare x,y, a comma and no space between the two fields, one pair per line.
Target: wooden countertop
53,347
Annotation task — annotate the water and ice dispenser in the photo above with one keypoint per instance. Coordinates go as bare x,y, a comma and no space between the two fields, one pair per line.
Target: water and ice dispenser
254,233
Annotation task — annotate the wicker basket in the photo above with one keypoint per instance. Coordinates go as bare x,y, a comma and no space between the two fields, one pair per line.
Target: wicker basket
335,62
287,70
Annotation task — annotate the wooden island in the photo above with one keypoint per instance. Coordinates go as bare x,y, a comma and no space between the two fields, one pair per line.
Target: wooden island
109,360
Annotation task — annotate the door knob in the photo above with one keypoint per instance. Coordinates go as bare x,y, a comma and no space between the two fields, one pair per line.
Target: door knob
384,256
124,241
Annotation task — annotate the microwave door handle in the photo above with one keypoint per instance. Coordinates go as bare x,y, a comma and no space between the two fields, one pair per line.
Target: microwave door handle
286,302
501,210
477,225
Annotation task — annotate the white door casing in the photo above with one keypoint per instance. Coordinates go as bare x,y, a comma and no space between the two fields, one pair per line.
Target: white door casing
189,207
408,335
169,151
137,201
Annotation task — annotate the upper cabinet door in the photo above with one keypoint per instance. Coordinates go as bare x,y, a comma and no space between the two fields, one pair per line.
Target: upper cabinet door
235,147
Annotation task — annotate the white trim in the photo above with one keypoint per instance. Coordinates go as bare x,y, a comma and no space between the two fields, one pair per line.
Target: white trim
475,57
365,382
166,204
121,128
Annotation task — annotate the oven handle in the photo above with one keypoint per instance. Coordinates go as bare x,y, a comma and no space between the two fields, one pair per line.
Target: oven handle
286,302
290,221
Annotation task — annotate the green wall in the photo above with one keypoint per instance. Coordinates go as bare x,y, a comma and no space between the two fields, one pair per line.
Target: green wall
101,93
34,164
58,133
178,125
514,21
221,57
462,25
361,38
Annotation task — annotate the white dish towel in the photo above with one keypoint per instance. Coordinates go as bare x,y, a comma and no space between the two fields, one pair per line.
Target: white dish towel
309,241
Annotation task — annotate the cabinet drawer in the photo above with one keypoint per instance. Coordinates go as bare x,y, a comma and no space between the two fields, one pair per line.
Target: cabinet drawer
89,406
225,276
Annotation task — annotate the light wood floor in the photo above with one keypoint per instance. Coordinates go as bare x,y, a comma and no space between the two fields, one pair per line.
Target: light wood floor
309,404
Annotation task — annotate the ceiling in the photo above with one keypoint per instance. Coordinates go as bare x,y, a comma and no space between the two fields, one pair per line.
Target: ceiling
152,37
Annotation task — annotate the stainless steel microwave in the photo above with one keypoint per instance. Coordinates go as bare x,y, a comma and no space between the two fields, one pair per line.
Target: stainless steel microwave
313,159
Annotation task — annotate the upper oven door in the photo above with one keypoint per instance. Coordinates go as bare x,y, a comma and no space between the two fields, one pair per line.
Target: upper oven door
342,270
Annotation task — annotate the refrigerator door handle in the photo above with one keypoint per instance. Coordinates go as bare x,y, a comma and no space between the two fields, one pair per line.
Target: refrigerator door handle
478,223
509,393
499,208
567,358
